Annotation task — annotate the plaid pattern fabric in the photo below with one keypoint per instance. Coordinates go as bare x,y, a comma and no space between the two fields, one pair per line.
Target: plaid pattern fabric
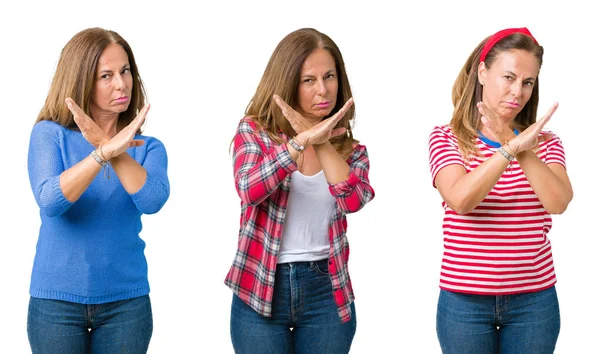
262,172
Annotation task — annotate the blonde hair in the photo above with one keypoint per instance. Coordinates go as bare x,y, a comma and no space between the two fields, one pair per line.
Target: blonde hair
467,92
75,76
282,77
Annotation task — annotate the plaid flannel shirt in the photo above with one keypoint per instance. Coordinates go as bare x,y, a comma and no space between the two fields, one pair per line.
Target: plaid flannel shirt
262,171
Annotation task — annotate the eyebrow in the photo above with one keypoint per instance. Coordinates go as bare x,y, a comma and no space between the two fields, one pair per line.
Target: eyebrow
513,74
328,72
110,71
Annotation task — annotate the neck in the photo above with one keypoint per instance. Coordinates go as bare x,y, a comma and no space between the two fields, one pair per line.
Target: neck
107,122
487,133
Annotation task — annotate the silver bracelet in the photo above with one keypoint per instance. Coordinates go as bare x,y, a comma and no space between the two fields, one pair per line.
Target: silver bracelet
504,153
296,146
98,159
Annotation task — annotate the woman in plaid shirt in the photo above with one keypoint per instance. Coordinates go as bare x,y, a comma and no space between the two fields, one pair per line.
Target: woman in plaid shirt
292,290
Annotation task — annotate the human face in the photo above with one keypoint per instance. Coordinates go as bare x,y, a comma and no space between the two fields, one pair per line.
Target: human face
508,83
317,91
112,88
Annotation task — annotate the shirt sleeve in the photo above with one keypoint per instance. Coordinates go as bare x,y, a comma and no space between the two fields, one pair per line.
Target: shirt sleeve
555,152
156,190
354,193
443,151
45,165
258,171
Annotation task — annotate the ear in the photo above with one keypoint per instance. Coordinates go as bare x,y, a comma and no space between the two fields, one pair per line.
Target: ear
481,73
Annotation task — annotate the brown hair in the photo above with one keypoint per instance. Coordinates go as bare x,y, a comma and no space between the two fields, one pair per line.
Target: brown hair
282,77
75,76
467,91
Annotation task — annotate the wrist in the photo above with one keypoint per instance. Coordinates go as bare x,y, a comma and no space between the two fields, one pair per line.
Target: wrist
302,140
509,149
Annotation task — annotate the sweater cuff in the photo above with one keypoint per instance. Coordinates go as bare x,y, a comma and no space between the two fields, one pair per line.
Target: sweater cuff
57,200
149,198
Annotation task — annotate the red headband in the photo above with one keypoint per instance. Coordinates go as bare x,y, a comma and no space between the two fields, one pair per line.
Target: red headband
498,36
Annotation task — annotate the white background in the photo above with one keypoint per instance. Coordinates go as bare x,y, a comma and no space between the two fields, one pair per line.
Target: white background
201,65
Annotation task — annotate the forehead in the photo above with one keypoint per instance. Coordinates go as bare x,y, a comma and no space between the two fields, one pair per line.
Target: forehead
520,62
113,55
318,60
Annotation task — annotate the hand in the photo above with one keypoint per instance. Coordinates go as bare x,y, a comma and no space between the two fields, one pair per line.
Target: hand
90,130
318,133
526,140
96,136
297,121
124,139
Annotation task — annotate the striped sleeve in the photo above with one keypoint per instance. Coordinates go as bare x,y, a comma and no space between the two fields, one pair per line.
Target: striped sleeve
443,151
555,152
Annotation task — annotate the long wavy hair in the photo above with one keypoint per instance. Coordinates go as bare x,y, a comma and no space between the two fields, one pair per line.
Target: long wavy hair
75,76
282,77
467,91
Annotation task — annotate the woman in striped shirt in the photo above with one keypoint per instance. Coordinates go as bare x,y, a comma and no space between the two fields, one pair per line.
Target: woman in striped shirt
500,178
298,172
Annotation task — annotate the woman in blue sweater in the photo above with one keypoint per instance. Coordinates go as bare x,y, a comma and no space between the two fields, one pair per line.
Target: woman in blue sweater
93,175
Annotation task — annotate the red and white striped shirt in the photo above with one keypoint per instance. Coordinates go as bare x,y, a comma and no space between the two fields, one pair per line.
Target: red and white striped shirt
501,247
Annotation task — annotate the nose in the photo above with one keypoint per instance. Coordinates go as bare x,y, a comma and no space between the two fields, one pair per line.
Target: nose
321,88
119,82
517,88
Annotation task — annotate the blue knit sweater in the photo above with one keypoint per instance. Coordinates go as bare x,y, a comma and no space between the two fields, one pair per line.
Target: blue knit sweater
89,251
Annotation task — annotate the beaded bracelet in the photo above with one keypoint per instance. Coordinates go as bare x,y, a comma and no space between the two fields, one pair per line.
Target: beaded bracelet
296,146
98,159
102,163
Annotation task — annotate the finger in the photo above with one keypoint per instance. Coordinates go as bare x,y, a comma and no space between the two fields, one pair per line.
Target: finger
485,111
548,114
486,122
337,132
141,118
135,143
342,112
281,103
544,137
75,109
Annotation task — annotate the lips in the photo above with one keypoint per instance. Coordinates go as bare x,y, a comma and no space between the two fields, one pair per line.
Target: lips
323,104
122,99
513,104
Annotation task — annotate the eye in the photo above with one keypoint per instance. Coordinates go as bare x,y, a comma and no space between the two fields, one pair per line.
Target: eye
508,77
104,76
529,83
126,71
307,81
330,76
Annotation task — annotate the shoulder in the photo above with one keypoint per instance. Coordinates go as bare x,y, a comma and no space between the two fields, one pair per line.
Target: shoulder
47,129
150,142
48,126
548,138
442,131
247,125
359,151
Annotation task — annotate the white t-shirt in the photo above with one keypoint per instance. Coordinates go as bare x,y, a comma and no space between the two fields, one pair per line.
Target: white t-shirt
309,211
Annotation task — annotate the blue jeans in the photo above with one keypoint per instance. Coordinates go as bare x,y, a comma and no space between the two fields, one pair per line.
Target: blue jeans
522,323
60,327
304,316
